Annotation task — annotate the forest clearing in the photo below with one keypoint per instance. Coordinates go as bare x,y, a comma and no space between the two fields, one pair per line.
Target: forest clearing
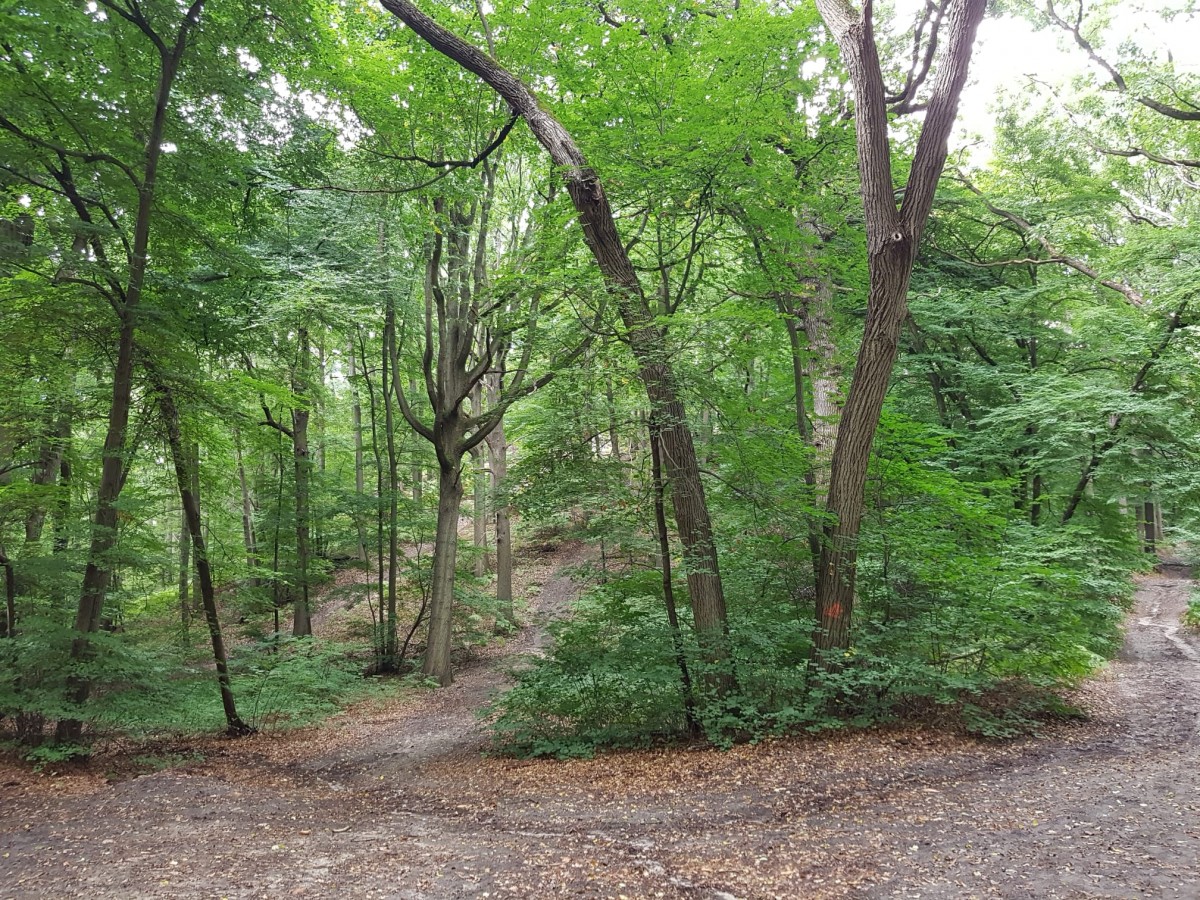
708,448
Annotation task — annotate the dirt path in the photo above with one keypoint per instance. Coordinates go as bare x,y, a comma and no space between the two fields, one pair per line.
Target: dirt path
399,804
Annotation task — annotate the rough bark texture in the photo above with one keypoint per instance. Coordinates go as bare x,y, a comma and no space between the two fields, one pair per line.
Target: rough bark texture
437,654
646,337
893,235
668,586
498,460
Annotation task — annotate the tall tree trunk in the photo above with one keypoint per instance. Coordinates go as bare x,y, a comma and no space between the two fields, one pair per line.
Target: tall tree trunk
249,541
359,477
803,426
97,573
664,555
498,458
302,615
318,526
418,471
646,337
479,493
437,653
62,506
186,480
614,441
824,374
185,569
893,235
44,473
10,596
391,359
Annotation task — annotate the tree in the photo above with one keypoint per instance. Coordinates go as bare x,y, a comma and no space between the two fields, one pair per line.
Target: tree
646,337
893,238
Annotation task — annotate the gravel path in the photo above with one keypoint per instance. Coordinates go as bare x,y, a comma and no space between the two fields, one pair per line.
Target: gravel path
398,803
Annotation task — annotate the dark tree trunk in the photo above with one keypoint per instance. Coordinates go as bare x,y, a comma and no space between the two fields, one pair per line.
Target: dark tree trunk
893,235
664,555
112,470
190,499
10,596
302,615
185,570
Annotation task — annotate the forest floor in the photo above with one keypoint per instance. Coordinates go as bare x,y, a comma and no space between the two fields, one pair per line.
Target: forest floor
396,800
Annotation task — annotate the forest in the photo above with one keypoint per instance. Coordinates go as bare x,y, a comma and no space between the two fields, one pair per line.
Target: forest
317,318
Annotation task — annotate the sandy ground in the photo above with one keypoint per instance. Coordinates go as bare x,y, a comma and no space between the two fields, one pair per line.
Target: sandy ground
397,801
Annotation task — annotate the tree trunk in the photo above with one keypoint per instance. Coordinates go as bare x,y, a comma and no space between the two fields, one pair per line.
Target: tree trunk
302,615
190,500
646,337
664,555
441,606
479,493
185,569
391,358
893,235
418,471
803,428
62,507
44,474
249,540
498,459
112,469
10,596
824,375
359,476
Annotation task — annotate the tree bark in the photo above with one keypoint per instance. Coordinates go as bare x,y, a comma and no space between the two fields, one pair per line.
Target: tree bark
498,458
359,476
249,541
893,236
112,469
664,555
190,499
647,338
441,607
302,615
10,596
185,570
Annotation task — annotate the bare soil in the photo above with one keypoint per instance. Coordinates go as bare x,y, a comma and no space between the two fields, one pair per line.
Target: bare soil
397,801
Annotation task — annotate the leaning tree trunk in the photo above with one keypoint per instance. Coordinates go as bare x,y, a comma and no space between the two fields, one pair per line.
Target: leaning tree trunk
646,338
190,499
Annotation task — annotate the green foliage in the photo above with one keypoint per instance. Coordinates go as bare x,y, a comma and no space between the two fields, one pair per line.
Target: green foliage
1191,615
611,680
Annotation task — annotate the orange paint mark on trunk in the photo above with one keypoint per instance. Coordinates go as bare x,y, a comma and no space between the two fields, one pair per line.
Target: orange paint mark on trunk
834,611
